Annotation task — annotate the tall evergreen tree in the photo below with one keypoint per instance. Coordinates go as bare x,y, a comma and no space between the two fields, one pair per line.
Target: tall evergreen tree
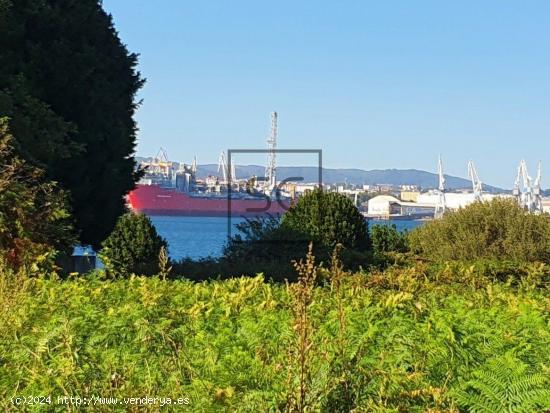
69,85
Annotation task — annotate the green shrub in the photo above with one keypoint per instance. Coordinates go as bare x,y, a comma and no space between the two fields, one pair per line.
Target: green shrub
263,245
387,238
270,245
34,214
133,247
328,218
499,229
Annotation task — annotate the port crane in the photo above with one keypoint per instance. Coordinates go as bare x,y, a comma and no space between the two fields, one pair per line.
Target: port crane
528,192
194,166
477,185
537,191
222,166
440,206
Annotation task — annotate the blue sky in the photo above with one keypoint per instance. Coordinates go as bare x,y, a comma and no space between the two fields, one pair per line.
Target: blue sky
374,84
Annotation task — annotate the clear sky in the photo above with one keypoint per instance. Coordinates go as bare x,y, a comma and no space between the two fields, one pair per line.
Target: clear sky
374,84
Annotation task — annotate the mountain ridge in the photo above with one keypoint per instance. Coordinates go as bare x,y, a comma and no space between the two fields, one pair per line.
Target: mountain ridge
355,176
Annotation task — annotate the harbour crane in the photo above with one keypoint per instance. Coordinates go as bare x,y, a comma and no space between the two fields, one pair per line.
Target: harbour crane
159,164
477,185
528,192
194,166
222,166
233,175
522,187
440,206
271,169
537,191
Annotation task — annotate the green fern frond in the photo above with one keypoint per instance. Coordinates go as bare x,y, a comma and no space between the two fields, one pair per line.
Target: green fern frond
505,385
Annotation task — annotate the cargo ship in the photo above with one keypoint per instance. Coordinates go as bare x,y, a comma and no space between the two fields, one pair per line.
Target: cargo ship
170,188
155,200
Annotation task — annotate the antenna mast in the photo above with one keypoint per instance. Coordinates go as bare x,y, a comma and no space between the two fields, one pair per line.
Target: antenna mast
270,171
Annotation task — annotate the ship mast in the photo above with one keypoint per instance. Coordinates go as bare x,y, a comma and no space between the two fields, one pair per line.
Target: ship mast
270,172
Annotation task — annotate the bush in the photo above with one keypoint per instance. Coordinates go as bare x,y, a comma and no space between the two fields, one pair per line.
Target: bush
499,229
263,245
328,218
133,247
387,238
34,214
270,245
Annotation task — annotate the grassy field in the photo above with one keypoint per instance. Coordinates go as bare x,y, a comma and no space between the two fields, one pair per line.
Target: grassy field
406,340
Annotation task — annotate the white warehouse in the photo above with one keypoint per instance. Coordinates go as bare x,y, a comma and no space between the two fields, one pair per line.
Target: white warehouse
387,205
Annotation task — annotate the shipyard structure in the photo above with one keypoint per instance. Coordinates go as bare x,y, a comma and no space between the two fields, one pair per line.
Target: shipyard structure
171,188
412,203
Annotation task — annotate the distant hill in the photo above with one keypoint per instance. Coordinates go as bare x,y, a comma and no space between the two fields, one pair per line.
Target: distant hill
416,177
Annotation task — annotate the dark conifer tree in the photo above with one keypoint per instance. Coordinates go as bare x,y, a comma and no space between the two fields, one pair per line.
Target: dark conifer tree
69,85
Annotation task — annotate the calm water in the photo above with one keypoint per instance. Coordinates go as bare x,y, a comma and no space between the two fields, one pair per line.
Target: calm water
199,237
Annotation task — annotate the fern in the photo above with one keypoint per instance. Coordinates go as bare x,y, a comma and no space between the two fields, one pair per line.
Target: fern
505,384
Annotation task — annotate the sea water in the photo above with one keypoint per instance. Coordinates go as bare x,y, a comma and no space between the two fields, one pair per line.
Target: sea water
201,237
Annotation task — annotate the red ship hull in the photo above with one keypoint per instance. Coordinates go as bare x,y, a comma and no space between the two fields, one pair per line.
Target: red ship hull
154,200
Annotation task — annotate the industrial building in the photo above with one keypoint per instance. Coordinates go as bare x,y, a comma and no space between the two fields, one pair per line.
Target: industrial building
436,202
386,206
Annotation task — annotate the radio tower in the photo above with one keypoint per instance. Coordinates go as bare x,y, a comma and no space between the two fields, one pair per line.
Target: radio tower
270,171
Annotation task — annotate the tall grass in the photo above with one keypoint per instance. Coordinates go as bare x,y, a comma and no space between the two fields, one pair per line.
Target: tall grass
405,340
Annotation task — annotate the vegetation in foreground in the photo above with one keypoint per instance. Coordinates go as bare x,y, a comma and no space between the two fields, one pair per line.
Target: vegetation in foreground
449,338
